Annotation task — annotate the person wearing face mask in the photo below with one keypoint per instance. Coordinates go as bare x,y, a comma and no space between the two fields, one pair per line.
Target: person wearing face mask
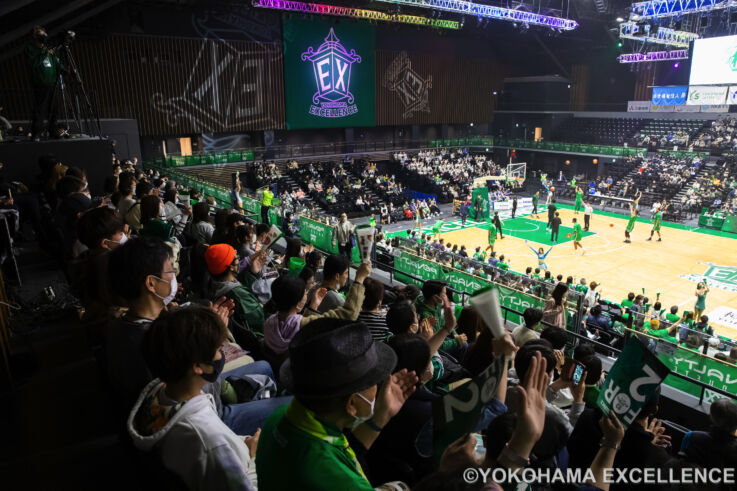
141,272
290,296
175,417
224,264
304,445
335,276
101,230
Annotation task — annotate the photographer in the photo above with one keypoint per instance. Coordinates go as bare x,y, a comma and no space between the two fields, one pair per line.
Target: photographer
44,67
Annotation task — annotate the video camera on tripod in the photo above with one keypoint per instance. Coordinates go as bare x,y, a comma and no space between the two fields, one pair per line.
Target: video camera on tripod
75,98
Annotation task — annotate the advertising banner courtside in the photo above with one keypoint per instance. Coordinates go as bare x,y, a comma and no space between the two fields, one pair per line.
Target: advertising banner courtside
705,94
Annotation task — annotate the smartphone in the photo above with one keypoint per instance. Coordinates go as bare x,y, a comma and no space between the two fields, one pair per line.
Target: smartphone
572,371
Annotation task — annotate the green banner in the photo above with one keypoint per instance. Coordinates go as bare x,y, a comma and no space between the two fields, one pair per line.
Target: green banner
328,72
321,236
698,367
458,412
464,282
416,266
631,381
479,195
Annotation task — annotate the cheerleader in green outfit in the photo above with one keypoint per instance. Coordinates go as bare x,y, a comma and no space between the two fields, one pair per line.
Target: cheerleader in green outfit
700,306
631,223
657,218
579,200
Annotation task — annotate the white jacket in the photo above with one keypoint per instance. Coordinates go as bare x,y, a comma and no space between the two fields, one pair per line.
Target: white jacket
197,446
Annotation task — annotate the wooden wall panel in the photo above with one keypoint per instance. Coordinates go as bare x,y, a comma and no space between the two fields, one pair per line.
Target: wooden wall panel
172,86
418,88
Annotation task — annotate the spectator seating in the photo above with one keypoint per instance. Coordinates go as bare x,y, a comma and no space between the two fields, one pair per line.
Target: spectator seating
599,131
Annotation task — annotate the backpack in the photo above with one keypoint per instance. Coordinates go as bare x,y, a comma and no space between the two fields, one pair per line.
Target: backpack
252,387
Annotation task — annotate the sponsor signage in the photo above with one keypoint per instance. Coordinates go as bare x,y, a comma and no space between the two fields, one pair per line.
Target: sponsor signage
638,106
669,96
706,94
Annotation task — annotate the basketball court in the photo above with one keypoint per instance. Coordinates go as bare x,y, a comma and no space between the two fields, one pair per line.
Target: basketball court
671,267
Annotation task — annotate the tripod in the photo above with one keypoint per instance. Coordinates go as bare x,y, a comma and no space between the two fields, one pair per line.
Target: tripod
76,100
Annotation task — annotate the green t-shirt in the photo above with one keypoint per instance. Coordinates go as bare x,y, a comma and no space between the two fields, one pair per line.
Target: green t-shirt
579,196
44,66
577,231
297,450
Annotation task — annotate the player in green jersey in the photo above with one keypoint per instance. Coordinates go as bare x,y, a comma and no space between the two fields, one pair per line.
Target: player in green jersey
631,223
579,201
492,237
577,237
657,218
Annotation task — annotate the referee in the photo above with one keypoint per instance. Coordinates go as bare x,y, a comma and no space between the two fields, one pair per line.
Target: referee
587,211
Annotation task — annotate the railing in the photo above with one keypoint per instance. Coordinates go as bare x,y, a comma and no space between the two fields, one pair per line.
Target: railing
287,151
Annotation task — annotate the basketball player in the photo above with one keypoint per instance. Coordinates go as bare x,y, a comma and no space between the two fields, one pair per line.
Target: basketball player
657,218
577,237
579,201
631,223
636,201
535,201
492,238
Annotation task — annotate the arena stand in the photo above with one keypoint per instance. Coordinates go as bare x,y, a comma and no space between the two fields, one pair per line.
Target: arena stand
600,131
393,260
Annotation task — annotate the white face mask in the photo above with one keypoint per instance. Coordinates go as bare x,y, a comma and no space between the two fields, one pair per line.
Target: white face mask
359,420
123,240
172,293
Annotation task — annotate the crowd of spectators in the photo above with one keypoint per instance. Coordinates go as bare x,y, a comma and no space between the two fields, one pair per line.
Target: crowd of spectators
720,137
714,189
333,187
449,173
240,368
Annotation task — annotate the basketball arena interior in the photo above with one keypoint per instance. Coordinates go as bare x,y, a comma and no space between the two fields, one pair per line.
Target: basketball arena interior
386,244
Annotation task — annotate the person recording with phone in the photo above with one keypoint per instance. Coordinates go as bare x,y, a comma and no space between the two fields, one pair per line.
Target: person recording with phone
44,68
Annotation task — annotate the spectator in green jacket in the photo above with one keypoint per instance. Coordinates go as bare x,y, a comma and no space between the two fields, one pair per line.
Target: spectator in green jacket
223,263
334,371
433,301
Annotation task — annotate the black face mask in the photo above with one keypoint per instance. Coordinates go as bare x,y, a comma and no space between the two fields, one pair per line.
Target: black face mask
217,366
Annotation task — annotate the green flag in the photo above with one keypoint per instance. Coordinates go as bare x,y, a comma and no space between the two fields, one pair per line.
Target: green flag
458,411
631,381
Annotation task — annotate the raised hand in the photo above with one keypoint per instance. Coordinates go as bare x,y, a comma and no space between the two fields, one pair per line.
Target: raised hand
392,395
459,454
504,346
612,429
224,308
655,426
427,327
318,297
363,271
531,416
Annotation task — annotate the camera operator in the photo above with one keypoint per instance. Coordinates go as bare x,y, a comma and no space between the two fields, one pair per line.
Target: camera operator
44,67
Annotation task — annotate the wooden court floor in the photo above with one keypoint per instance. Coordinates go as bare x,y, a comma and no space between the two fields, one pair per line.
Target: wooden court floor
622,268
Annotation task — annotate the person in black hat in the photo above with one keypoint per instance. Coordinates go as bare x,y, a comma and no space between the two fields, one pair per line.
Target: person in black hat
334,371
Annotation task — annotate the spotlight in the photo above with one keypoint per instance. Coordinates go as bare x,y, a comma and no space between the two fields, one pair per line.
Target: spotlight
676,65
620,19
494,92
619,44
